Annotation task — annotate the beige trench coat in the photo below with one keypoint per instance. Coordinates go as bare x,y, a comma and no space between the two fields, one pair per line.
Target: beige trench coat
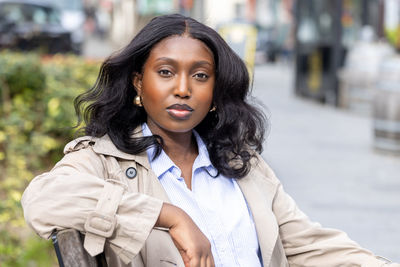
96,190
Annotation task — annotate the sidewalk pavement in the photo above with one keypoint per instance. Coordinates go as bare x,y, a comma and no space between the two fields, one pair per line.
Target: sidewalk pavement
326,161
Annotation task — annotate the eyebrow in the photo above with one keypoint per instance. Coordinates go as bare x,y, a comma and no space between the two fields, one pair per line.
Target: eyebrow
196,64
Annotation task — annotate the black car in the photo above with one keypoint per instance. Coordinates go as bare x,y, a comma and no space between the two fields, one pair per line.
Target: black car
32,25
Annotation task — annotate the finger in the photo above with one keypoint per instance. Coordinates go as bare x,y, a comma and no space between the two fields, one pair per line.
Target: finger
195,262
210,261
203,261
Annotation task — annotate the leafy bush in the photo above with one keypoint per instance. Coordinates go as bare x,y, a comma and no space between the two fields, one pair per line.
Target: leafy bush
36,121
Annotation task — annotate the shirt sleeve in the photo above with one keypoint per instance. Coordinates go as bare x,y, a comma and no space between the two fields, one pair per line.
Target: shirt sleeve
307,243
66,196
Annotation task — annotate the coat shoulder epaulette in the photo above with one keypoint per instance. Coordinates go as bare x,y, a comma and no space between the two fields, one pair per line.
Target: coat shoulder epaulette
79,143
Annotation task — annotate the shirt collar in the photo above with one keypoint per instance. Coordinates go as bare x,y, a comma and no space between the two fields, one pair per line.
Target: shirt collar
163,163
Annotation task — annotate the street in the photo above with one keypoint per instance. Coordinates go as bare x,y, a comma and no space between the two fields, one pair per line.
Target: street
325,159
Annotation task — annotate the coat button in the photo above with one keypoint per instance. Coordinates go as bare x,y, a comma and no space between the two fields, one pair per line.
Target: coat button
131,172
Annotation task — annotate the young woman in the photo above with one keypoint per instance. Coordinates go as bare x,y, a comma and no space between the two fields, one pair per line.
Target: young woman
169,173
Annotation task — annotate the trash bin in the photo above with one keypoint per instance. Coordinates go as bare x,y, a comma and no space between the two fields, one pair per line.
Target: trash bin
357,80
386,107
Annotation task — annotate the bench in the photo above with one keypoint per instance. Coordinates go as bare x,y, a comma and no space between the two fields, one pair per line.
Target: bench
68,245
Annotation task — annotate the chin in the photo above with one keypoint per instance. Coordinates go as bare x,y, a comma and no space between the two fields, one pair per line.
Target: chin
180,127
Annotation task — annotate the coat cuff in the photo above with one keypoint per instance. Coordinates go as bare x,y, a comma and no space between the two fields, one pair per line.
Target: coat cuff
132,240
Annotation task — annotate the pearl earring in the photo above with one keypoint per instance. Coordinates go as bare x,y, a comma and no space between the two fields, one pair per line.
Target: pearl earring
138,101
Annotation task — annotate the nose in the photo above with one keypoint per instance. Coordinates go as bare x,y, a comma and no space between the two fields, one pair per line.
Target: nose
182,88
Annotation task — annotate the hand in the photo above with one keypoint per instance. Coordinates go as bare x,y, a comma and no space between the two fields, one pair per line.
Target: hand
192,244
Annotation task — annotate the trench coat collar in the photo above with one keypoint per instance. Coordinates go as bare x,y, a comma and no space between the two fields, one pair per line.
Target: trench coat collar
150,186
105,146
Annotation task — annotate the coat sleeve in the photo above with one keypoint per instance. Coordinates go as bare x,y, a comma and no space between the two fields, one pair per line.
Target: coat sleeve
306,243
67,196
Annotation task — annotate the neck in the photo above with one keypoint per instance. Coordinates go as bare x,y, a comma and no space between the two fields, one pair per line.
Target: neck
179,146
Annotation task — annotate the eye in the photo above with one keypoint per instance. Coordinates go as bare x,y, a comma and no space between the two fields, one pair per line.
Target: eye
165,73
201,76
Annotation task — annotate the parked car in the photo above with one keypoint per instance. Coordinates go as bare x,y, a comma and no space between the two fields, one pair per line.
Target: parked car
72,17
32,25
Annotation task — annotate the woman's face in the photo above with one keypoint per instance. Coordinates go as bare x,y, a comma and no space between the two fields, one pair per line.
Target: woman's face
177,84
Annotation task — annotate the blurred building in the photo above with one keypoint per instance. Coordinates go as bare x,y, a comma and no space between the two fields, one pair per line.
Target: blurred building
325,32
128,16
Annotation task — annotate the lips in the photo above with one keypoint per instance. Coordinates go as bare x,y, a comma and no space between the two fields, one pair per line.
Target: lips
180,111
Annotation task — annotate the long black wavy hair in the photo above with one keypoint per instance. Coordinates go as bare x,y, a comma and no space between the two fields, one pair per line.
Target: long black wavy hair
232,133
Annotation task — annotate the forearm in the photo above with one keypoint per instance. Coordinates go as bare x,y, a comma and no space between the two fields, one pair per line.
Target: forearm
170,215
58,201
191,243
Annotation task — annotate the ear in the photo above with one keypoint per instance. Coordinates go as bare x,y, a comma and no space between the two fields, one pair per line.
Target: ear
137,82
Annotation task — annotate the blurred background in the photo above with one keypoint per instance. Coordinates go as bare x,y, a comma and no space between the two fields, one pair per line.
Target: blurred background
327,74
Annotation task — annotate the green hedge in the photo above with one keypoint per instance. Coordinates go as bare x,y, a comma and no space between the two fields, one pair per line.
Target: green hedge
36,121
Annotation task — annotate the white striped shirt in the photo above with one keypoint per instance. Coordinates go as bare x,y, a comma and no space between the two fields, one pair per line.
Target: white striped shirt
216,205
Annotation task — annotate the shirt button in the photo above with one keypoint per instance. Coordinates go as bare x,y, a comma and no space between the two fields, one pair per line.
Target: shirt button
131,172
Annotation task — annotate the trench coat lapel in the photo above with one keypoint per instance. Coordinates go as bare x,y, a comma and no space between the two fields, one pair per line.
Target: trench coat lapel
259,196
153,187
148,181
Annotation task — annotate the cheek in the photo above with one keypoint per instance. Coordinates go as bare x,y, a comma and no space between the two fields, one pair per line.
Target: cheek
206,102
208,99
151,92
206,94
150,96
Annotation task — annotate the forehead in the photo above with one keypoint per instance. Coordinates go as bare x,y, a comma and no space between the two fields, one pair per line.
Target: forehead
181,47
